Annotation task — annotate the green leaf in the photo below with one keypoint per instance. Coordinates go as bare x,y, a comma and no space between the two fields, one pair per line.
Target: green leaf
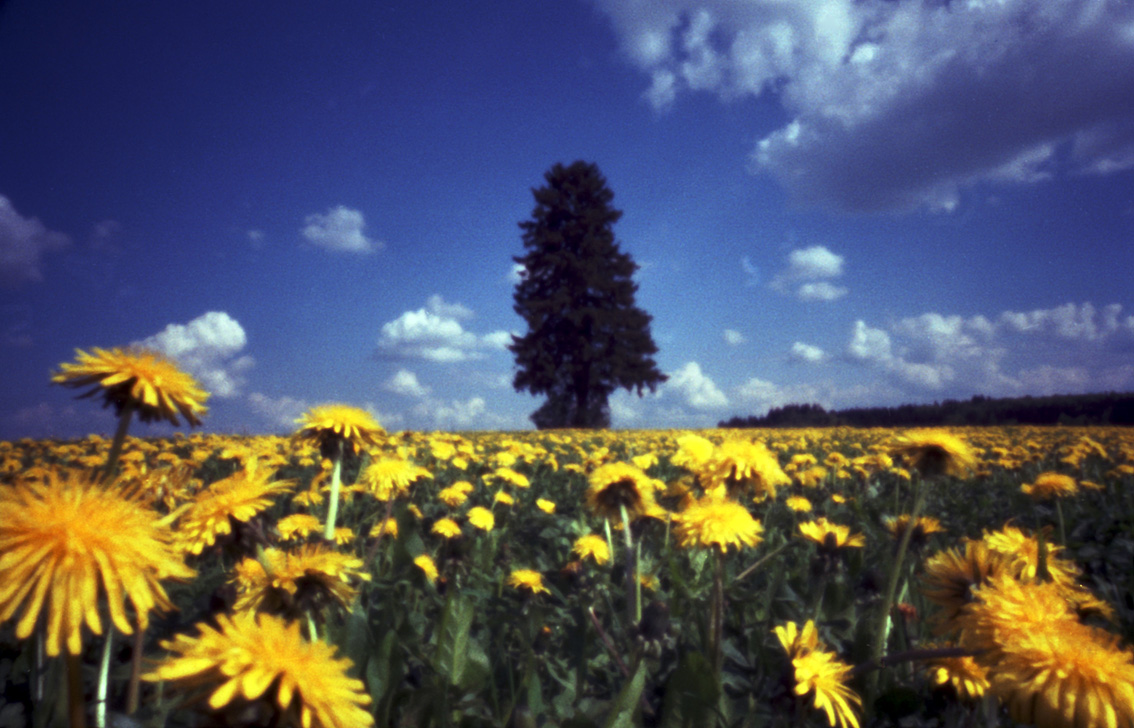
691,694
622,711
453,639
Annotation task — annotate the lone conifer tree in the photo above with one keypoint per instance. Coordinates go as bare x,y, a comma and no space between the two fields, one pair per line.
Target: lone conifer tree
586,337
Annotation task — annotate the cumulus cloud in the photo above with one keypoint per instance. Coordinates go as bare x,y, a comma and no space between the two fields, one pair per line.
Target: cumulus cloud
807,272
207,347
281,412
893,105
23,243
342,229
404,382
807,353
733,337
1071,348
695,388
434,333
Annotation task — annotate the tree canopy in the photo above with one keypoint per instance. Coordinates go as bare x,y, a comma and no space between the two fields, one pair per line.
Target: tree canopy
586,336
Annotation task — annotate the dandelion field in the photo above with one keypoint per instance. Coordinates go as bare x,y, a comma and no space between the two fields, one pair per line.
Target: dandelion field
489,579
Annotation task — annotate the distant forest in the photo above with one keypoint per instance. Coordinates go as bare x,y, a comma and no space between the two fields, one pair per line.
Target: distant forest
1063,409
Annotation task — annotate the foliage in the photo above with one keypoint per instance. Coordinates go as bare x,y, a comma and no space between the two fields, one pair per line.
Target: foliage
586,337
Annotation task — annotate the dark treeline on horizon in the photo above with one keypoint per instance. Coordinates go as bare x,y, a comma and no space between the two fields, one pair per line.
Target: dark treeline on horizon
1062,409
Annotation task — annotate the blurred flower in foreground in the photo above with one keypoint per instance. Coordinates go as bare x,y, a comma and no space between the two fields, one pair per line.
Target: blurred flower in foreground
1050,485
137,378
593,546
296,582
250,655
427,566
482,518
328,425
820,673
61,539
714,522
237,498
617,485
935,452
967,677
528,579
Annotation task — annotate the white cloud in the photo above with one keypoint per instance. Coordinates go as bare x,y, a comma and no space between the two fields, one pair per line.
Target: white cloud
435,334
1065,349
404,382
733,337
903,104
808,353
806,274
341,228
207,347
696,389
281,412
23,243
516,274
256,239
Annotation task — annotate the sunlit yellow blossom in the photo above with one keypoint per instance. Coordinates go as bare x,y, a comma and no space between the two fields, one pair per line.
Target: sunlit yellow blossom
616,485
593,546
714,522
446,528
298,526
60,539
693,451
743,466
528,579
482,518
831,535
545,505
388,527
425,563
344,535
1023,550
935,452
923,527
512,477
387,478
798,503
250,654
951,576
822,674
296,581
138,378
239,497
329,425
812,477
644,462
1050,485
503,498
797,641
964,674
452,496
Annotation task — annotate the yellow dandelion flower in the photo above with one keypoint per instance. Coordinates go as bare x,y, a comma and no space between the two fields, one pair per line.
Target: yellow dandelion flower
387,478
138,378
239,497
296,581
831,536
798,504
714,522
482,518
967,677
935,452
344,536
503,498
250,654
1023,552
452,496
616,485
743,466
425,563
951,576
446,528
510,476
822,674
812,477
61,538
298,526
593,546
331,426
545,505
798,641
1050,485
385,527
528,579
924,527
693,451
644,462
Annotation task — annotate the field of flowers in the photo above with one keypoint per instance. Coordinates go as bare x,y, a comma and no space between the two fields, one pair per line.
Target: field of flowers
571,578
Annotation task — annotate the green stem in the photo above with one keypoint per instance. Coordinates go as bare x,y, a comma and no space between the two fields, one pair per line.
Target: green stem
77,712
336,484
133,689
716,616
633,610
119,439
882,629
103,679
1062,527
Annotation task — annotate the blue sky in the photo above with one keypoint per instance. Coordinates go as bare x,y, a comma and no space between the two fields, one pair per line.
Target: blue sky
845,202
